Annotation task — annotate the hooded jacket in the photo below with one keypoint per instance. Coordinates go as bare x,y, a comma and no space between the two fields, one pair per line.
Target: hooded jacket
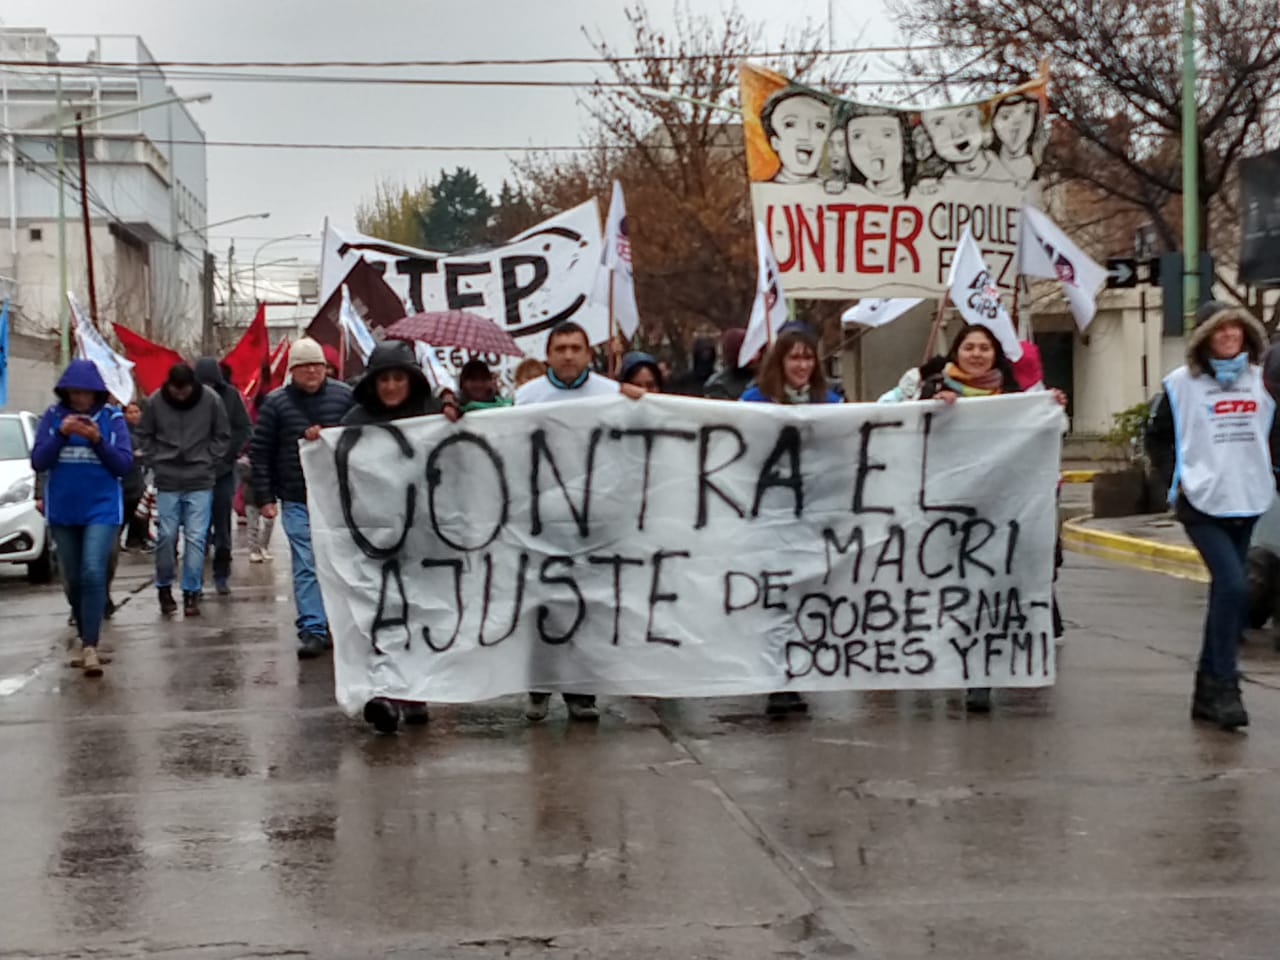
185,443
393,355
210,374
284,417
82,479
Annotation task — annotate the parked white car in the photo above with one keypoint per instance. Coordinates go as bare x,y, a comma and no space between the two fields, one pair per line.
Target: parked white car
24,536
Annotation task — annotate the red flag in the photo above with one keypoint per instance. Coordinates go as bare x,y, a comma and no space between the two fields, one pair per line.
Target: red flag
247,357
279,361
151,361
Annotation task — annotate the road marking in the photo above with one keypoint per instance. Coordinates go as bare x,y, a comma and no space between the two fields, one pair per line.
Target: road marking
11,685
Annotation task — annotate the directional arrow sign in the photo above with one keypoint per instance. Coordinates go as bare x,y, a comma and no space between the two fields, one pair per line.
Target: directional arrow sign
1122,272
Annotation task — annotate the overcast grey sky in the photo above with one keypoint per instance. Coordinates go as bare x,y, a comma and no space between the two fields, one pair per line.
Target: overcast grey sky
301,188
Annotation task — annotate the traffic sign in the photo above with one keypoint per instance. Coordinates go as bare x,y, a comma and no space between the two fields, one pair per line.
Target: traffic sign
1122,273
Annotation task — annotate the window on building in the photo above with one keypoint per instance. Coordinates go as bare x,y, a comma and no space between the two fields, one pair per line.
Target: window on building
35,234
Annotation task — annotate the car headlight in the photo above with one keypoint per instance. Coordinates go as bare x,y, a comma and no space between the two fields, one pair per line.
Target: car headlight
19,492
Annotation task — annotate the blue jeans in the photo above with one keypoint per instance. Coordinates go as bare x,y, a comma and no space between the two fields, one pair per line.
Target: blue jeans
306,588
189,510
1224,544
84,553
224,492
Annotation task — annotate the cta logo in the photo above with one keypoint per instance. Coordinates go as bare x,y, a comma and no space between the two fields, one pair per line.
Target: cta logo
1233,406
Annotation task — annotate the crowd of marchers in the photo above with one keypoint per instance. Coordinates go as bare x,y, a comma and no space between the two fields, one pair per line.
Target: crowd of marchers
194,448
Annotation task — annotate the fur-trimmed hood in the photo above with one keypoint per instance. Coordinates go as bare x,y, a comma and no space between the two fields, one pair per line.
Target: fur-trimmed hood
1209,318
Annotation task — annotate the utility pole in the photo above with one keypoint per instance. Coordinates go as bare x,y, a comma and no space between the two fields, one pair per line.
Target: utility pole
231,284
1190,172
64,334
207,339
84,213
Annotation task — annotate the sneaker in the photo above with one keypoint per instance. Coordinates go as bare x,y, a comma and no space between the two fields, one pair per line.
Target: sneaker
582,707
255,556
978,700
191,604
222,587
92,664
539,704
384,714
266,554
168,606
414,714
310,646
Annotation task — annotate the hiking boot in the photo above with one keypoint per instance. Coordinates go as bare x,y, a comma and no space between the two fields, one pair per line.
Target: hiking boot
92,664
414,714
191,603
1202,699
255,556
310,646
76,658
384,714
1220,703
581,706
978,700
168,606
221,586
539,704
783,703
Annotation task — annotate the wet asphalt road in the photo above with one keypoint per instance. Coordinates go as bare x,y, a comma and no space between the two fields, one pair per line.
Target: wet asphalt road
207,800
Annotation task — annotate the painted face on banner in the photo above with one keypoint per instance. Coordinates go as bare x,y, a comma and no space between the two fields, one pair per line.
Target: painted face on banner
955,132
1014,123
875,147
801,125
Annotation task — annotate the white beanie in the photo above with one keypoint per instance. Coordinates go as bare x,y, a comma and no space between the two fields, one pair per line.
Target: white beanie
304,351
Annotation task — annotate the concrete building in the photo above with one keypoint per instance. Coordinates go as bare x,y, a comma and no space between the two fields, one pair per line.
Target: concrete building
147,196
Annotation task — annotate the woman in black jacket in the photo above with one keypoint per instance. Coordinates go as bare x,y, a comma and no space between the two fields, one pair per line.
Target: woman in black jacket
394,388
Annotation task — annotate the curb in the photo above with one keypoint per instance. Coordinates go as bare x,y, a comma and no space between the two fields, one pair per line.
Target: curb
1150,555
1079,476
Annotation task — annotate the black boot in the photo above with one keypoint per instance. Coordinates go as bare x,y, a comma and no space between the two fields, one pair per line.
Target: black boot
191,604
1202,699
168,606
978,700
384,714
1225,708
780,704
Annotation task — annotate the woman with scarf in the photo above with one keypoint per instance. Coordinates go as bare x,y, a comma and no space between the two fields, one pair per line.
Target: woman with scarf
82,445
790,373
394,388
1218,417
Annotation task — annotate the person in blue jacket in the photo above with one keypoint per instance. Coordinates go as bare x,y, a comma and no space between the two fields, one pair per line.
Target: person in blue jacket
83,447
790,373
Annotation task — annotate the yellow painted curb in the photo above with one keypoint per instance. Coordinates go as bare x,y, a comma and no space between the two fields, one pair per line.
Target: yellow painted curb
1079,476
1151,555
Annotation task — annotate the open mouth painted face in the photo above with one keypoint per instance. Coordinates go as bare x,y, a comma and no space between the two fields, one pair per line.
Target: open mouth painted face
1013,124
956,132
875,146
801,125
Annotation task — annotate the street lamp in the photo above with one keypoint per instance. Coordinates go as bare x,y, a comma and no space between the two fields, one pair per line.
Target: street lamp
78,123
261,247
223,223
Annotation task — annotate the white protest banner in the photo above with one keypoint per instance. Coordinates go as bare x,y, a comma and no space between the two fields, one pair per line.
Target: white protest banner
862,199
527,285
977,297
116,371
876,311
769,309
616,264
357,332
1045,251
678,547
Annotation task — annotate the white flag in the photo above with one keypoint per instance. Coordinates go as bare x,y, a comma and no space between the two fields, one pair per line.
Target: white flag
769,312
876,312
437,373
115,370
356,330
1045,251
977,297
615,262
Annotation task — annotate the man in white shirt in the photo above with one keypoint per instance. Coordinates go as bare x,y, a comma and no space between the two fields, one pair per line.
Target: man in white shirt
569,377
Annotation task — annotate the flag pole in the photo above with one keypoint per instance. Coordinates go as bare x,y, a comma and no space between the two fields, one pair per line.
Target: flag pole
614,358
342,350
937,326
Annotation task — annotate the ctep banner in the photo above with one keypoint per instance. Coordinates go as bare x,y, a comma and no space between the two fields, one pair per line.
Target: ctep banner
673,547
867,200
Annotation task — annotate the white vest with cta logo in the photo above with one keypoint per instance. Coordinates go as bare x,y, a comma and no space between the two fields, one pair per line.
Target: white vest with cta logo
1221,442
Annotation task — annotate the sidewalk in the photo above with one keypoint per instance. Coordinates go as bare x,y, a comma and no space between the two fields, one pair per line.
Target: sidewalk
1151,541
